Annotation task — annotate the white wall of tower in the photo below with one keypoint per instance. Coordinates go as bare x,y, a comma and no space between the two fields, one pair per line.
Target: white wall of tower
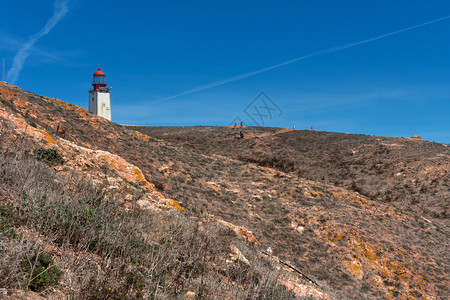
100,104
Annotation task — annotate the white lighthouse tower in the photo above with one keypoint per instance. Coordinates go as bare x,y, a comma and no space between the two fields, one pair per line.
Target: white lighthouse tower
99,96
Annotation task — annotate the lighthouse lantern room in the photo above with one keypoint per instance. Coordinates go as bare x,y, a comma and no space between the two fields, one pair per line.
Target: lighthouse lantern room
99,96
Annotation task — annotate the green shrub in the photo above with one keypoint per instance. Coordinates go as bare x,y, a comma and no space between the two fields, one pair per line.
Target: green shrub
6,228
48,155
42,273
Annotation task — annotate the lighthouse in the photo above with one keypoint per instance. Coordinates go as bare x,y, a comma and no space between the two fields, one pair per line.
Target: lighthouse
99,96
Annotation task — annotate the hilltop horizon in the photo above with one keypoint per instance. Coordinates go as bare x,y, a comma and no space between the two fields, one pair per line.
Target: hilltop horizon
370,68
417,137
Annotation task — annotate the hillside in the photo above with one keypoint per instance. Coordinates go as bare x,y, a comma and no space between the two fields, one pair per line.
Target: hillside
222,191
406,173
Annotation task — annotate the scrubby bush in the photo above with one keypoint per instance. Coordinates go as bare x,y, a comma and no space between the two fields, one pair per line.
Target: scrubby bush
48,155
42,273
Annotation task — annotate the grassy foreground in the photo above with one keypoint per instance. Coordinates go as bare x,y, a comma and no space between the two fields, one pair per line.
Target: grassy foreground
62,233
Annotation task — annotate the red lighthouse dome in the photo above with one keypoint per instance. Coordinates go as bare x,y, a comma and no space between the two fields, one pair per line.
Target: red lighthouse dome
99,82
99,73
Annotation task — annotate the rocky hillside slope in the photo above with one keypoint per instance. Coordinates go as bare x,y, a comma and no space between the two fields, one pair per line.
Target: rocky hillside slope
405,172
353,245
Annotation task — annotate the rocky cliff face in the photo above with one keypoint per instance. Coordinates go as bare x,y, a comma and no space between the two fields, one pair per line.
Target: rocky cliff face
353,244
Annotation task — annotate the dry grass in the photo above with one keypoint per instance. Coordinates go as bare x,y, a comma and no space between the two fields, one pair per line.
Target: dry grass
402,172
105,252
267,201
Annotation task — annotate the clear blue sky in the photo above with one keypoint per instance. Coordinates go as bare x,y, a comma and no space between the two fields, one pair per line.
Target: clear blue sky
398,85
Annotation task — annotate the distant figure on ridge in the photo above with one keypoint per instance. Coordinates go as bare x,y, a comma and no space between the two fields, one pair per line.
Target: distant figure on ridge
241,123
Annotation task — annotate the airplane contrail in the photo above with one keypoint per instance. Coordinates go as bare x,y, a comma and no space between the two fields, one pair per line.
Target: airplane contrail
329,50
60,10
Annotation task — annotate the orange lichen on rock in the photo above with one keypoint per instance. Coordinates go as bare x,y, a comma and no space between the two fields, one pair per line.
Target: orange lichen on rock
138,173
20,103
140,136
140,179
7,94
248,235
173,203
63,104
82,112
355,268
344,194
23,127
112,136
93,120
387,265
370,253
357,247
338,238
365,249
96,159
124,169
385,272
47,136
416,137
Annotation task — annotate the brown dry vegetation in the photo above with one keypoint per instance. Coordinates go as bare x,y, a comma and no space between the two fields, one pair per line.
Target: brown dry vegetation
103,251
409,174
394,223
294,189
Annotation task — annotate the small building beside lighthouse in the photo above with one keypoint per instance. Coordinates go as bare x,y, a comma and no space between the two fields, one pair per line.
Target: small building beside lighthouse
100,96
